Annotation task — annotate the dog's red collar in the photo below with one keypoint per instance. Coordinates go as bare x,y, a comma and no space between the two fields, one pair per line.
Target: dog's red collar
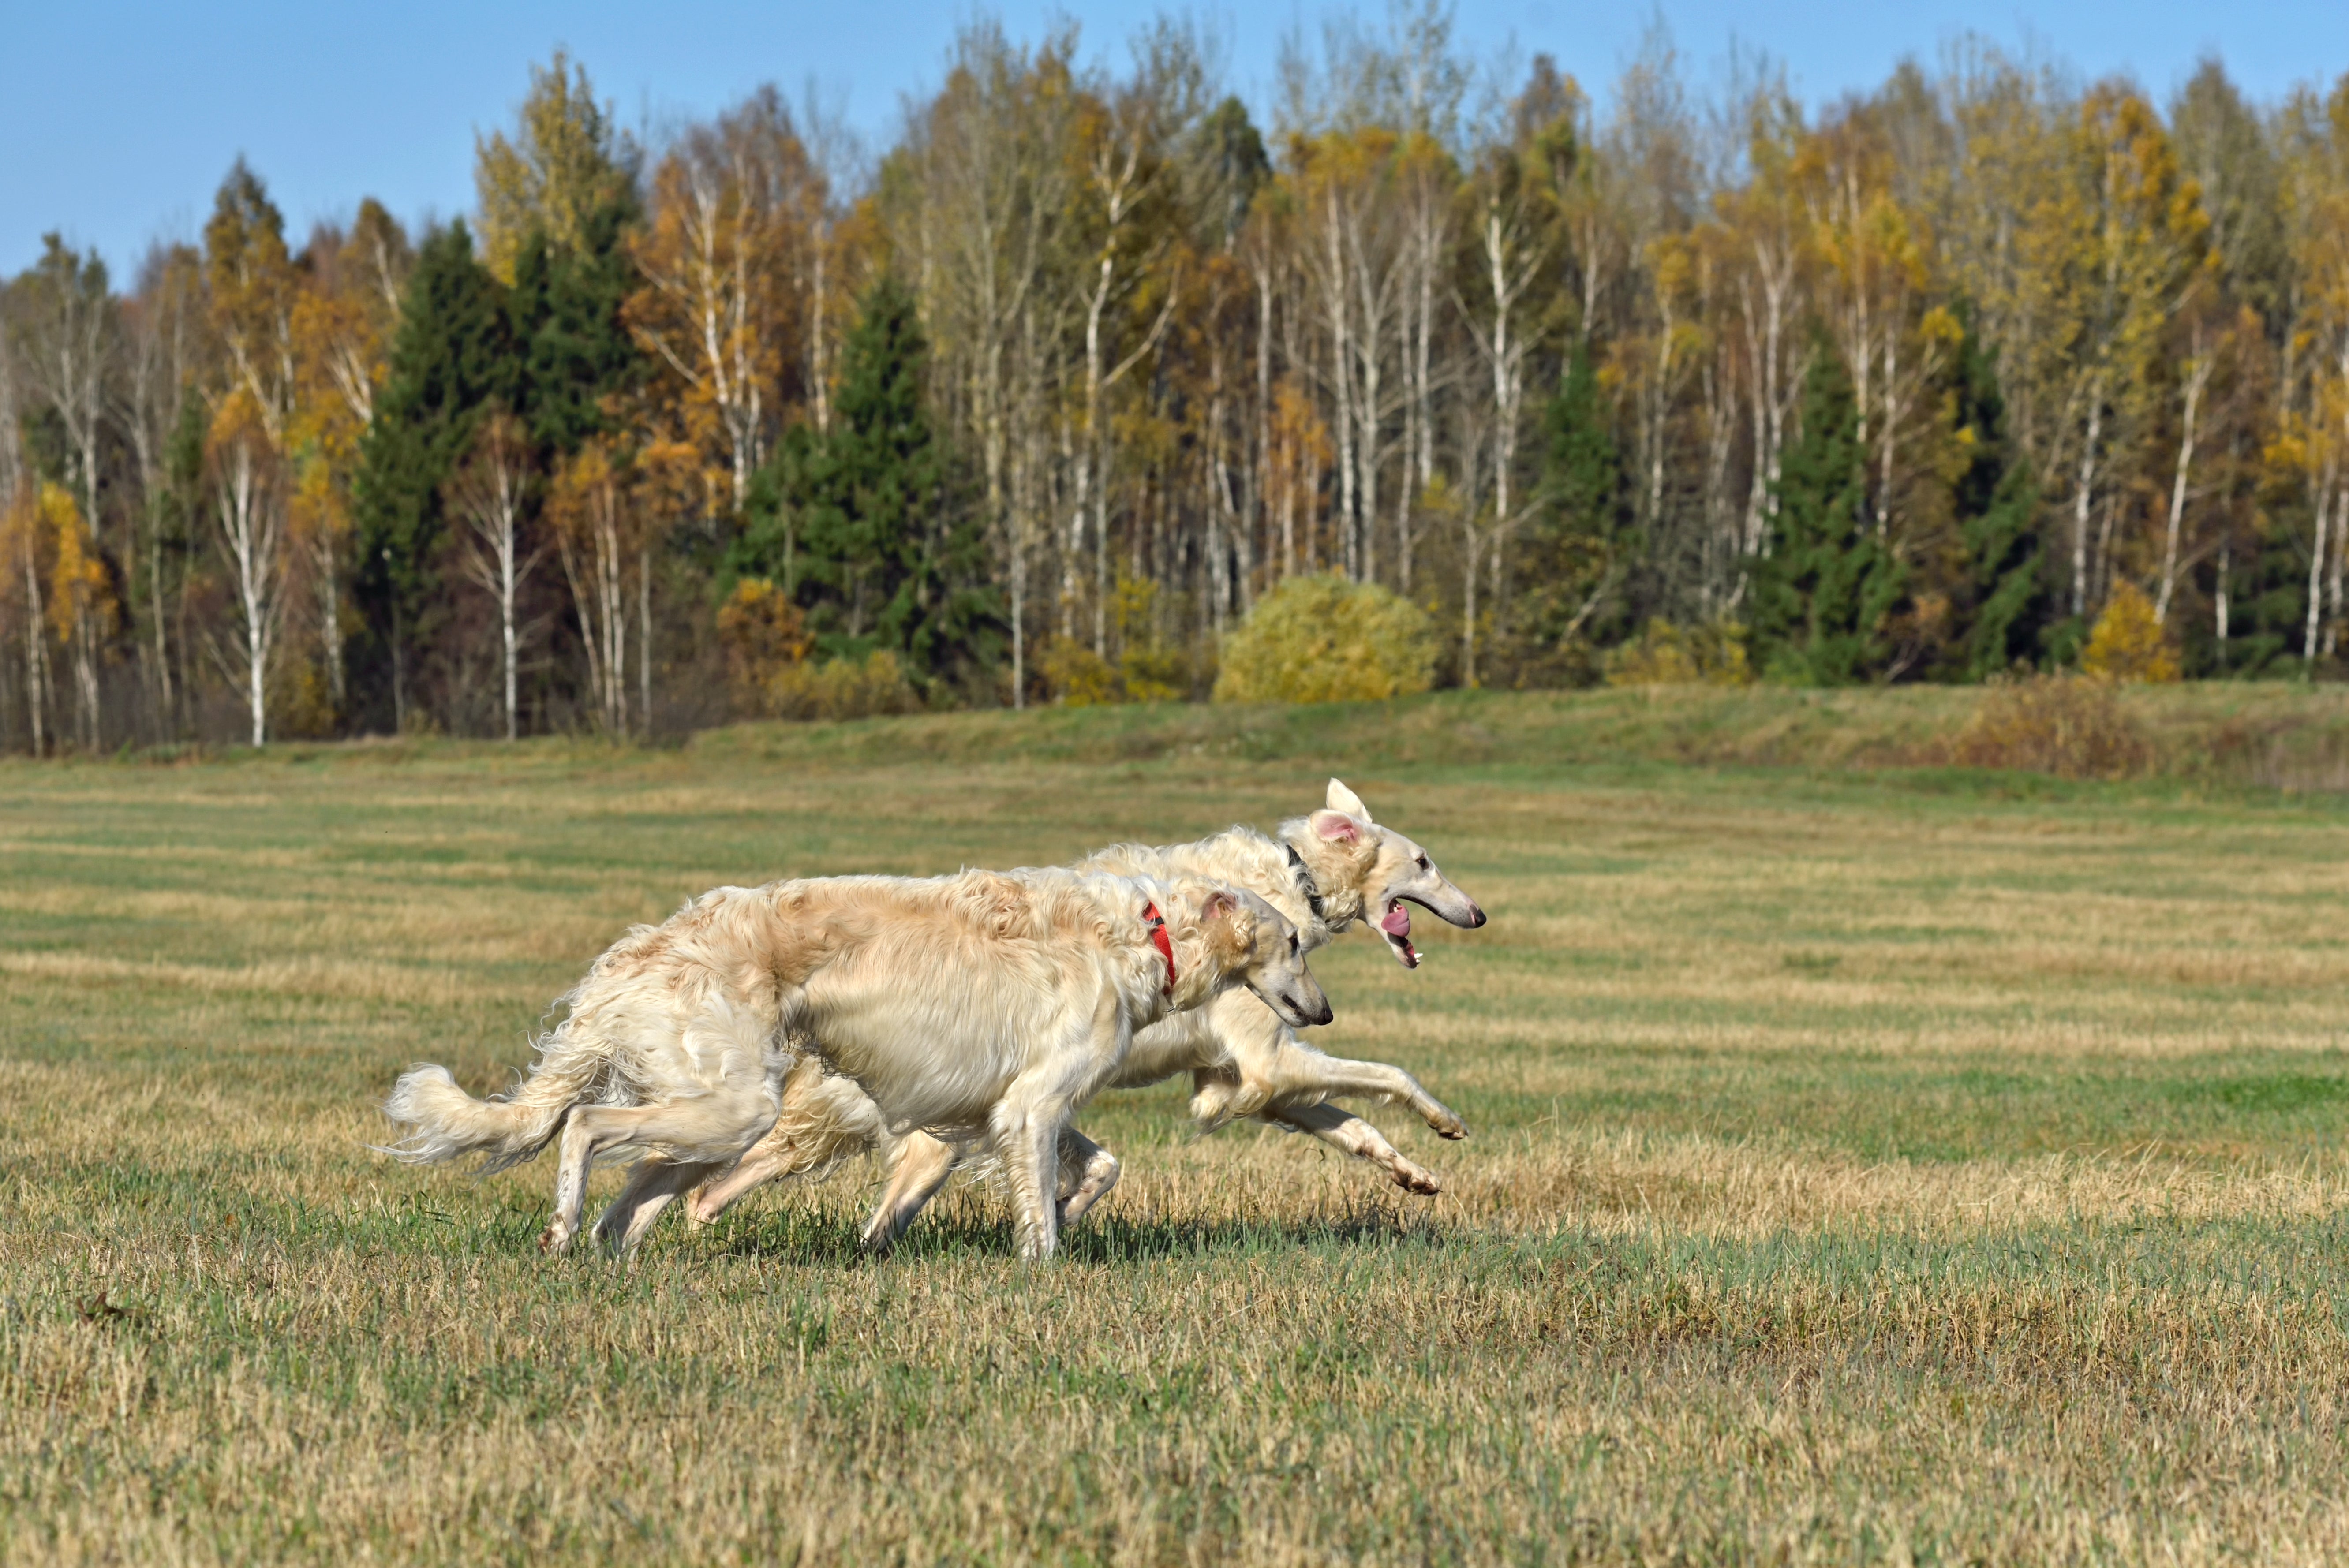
1159,939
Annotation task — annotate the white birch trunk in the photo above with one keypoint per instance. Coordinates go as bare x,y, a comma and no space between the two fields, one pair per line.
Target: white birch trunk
251,529
2197,378
2325,500
37,675
2082,497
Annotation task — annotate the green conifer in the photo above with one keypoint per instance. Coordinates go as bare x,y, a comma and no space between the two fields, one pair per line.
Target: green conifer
453,355
1582,538
1997,505
866,524
1824,588
577,353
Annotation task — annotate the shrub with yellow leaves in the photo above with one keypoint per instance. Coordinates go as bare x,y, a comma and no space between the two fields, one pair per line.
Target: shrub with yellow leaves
1076,675
1666,655
1324,639
2128,643
764,635
843,688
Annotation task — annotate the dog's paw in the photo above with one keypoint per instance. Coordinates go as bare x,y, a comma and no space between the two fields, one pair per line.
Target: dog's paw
1412,1179
553,1240
1444,1122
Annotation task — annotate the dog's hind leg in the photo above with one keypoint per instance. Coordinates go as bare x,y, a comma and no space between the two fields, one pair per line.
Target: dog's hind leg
1087,1174
574,1153
824,1121
1350,1134
761,1165
715,1128
921,1166
651,1188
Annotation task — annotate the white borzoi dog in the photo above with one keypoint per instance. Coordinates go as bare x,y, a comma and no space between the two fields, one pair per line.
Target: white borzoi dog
980,1007
1325,871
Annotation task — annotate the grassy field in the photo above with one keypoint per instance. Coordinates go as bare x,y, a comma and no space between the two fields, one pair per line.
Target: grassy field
1868,1166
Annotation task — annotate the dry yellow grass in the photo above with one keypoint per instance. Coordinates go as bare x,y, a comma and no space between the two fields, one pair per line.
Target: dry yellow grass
1862,1172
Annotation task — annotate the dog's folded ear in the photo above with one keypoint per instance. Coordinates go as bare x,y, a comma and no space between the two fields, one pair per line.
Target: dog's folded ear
1226,925
1344,799
1336,826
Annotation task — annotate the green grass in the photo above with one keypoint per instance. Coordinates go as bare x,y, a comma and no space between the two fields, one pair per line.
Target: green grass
1870,1164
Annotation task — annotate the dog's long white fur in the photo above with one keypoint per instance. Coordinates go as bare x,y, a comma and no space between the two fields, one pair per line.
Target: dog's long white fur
980,1007
1243,1059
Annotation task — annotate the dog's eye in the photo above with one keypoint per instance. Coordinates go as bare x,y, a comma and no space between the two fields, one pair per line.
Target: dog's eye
1423,863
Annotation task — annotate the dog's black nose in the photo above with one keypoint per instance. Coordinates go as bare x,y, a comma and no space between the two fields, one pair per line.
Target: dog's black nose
1479,909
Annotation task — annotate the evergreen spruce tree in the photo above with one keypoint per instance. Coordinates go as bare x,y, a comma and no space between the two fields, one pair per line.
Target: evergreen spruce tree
1583,536
576,352
2270,587
865,523
2009,609
1823,591
453,355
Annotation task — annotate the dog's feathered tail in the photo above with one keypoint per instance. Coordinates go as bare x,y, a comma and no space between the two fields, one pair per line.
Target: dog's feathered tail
508,1129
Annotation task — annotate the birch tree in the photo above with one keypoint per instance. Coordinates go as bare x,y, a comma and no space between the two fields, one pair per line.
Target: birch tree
64,328
249,507
1518,224
596,537
981,205
164,343
487,492
730,238
342,324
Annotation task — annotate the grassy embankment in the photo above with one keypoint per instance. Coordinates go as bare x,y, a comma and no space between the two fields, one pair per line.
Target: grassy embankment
1865,1163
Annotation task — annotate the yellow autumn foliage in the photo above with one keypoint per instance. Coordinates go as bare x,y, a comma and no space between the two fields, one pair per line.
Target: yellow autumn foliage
1666,655
1324,639
2128,643
764,634
78,582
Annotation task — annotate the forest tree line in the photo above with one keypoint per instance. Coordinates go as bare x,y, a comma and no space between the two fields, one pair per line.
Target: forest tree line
1038,403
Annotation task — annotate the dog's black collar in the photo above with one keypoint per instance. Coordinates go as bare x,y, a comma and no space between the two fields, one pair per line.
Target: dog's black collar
1312,889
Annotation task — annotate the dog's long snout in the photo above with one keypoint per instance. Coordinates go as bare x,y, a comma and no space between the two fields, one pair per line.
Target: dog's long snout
1466,911
1311,1002
1302,1009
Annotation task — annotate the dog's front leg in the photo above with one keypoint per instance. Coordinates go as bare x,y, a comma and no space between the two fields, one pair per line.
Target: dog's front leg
921,1166
1350,1134
1028,1138
1264,1067
1297,1073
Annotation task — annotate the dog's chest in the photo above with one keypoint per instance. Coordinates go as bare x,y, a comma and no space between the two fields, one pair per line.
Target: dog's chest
1179,1044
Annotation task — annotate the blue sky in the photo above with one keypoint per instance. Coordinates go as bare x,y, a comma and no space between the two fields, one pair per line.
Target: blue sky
117,121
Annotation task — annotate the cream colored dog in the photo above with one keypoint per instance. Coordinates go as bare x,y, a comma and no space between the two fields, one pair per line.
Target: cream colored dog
1324,872
981,1007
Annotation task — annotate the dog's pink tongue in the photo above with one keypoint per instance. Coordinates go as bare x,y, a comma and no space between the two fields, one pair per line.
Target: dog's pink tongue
1397,922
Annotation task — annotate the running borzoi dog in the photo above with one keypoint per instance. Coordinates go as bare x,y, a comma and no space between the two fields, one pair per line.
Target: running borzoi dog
984,1005
1325,871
